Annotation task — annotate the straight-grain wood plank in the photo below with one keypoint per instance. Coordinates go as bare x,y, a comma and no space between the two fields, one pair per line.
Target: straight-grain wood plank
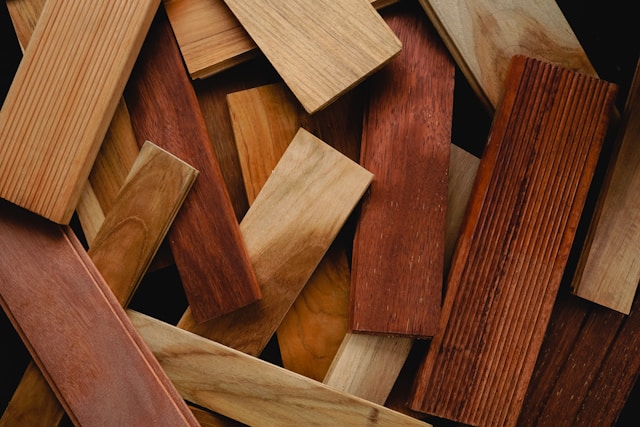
398,250
75,330
205,238
528,197
24,16
321,49
287,230
62,98
251,390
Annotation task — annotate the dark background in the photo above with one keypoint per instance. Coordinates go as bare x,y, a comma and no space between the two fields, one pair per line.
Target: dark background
610,34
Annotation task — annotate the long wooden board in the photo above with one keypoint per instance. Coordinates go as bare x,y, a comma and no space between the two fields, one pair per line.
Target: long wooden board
528,197
62,98
320,48
205,238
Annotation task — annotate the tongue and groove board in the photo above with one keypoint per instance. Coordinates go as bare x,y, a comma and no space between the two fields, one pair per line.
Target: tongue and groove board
527,200
320,48
205,238
398,250
65,91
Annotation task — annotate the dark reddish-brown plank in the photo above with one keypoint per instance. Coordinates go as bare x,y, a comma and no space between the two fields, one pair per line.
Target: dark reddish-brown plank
398,251
527,200
205,238
75,330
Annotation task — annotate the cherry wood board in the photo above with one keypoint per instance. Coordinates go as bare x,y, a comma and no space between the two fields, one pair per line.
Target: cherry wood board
320,48
62,98
287,230
205,237
76,331
528,196
251,390
398,250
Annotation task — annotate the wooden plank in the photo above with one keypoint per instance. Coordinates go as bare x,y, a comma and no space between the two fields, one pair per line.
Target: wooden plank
251,390
58,316
398,250
287,230
609,267
62,98
24,16
341,44
215,269
527,201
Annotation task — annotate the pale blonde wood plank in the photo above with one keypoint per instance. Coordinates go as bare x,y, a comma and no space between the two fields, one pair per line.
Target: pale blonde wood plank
90,213
62,98
251,390
320,48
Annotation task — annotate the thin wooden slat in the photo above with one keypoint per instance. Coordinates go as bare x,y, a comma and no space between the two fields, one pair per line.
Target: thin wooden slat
321,49
24,16
528,197
205,238
62,98
287,230
251,390
398,250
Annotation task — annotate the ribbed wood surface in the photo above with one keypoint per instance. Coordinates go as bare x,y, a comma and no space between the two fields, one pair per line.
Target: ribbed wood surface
527,200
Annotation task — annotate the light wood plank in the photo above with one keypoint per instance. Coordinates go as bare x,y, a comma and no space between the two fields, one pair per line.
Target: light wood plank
321,49
24,16
251,390
63,96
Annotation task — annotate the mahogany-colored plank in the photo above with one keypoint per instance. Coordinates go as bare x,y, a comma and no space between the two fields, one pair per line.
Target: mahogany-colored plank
398,251
528,197
205,238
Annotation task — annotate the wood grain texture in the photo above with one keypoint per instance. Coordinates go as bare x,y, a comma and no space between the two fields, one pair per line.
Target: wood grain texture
76,331
321,49
483,35
609,268
287,230
24,16
205,238
251,390
62,98
398,250
528,197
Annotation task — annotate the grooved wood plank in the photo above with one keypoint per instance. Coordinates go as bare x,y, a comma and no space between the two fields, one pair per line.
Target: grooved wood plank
251,390
75,330
609,267
287,230
205,238
62,98
320,48
24,16
210,37
398,250
528,197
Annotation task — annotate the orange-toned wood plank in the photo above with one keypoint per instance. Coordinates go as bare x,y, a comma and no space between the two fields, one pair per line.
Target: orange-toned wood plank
62,98
528,197
205,238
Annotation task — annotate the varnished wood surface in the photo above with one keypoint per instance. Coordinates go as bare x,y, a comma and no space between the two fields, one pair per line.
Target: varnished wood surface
527,201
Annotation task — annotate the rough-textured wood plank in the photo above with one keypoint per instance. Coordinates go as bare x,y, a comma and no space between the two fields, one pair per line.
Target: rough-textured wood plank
62,98
251,390
75,330
398,250
287,230
321,49
205,238
528,197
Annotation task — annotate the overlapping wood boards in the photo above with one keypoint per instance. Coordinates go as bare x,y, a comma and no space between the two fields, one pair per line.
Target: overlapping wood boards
62,98
527,201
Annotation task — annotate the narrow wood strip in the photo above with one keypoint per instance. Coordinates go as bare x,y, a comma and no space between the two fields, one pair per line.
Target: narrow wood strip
62,99
342,43
210,37
287,230
24,16
509,260
251,390
58,315
205,238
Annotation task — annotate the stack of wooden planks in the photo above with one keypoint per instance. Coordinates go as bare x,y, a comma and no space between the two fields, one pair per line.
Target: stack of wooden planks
315,212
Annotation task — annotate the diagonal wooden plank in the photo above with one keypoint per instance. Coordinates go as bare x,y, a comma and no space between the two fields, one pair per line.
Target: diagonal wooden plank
527,201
